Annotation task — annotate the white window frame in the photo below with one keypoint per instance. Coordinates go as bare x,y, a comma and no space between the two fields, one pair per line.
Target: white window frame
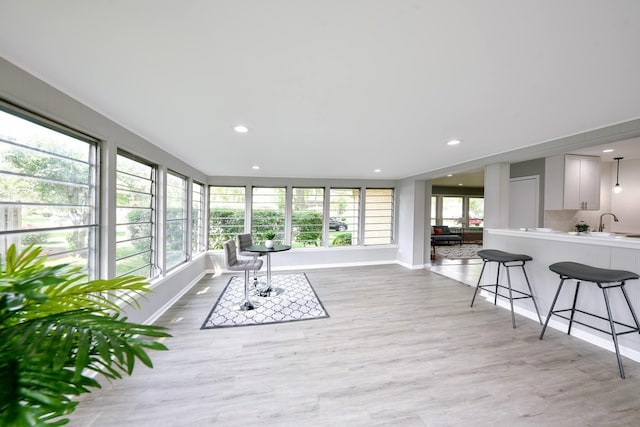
12,229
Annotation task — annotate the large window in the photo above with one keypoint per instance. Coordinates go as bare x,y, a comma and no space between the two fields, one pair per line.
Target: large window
434,210
475,217
135,218
465,212
176,220
344,214
197,218
48,193
226,214
452,211
268,212
378,216
306,216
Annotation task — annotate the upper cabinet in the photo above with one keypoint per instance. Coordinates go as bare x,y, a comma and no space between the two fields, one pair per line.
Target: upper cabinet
572,182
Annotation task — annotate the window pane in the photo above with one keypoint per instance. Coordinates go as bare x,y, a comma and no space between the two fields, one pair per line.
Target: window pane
47,183
197,218
267,212
378,216
452,211
176,220
434,210
344,214
306,217
135,218
226,214
476,212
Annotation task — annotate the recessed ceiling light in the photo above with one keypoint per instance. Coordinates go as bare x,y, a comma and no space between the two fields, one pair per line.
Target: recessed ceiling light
241,129
460,184
608,150
453,142
377,170
450,175
255,167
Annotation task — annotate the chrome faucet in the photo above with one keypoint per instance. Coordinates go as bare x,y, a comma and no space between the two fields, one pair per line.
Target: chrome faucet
601,227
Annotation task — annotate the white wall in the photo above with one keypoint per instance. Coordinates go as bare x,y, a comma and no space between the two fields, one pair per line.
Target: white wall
26,91
496,196
411,223
626,205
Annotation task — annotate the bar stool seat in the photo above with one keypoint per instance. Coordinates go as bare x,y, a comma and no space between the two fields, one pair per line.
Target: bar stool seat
605,279
507,260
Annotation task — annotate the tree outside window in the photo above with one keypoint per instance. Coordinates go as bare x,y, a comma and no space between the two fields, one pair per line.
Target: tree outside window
48,191
306,217
226,214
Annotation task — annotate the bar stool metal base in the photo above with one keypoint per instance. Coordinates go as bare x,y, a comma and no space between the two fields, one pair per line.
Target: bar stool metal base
269,292
248,306
605,279
507,260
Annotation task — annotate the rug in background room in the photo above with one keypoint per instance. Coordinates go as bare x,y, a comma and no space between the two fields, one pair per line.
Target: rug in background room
458,252
298,301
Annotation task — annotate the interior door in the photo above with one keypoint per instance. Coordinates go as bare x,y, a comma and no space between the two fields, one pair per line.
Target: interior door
524,203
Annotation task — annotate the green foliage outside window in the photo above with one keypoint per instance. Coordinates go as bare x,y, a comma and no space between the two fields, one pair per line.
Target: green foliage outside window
224,224
341,239
307,228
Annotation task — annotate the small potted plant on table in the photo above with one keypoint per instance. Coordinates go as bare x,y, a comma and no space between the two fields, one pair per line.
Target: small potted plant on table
269,236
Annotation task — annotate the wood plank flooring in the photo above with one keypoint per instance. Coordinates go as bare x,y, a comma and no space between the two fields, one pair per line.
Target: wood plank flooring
402,347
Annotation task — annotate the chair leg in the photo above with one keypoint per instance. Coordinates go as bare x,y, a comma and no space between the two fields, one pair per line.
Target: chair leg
247,304
553,304
495,296
531,293
484,264
573,308
513,316
613,331
633,313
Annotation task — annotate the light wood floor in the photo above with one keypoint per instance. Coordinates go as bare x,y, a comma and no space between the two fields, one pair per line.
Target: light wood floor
402,347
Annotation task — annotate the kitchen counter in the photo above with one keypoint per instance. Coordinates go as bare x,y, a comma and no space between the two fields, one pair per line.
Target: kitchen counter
597,250
620,240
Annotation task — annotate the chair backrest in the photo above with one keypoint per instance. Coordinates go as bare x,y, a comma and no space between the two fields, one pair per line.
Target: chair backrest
230,256
243,241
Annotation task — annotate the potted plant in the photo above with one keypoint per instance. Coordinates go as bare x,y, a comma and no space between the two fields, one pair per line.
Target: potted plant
57,331
582,227
269,236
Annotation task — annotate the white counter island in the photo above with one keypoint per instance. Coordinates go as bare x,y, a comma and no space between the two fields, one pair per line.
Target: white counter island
548,247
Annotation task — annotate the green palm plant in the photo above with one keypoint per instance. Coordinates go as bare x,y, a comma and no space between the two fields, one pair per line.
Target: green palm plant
57,331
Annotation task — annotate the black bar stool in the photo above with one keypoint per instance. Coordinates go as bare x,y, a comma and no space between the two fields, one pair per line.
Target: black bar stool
605,279
507,260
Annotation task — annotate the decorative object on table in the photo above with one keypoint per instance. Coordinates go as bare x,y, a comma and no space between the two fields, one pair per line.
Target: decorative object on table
269,236
298,301
582,227
57,331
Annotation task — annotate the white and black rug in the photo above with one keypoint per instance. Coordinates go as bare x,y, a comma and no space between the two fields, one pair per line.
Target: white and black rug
466,251
298,301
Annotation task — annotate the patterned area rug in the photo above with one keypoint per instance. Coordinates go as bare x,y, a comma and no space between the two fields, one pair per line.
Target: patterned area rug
458,252
298,301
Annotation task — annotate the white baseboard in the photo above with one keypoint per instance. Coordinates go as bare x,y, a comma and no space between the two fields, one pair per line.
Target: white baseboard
173,300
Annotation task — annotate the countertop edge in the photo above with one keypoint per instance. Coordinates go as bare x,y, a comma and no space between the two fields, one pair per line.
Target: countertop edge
616,242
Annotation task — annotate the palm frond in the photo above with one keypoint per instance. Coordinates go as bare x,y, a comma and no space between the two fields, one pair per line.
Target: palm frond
55,329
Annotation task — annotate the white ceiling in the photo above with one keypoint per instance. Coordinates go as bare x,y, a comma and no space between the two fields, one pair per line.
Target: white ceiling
336,88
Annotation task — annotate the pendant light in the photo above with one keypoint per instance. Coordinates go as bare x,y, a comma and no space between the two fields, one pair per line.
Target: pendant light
617,188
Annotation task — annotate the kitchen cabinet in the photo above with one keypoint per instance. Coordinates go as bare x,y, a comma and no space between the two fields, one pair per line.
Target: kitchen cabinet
572,182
